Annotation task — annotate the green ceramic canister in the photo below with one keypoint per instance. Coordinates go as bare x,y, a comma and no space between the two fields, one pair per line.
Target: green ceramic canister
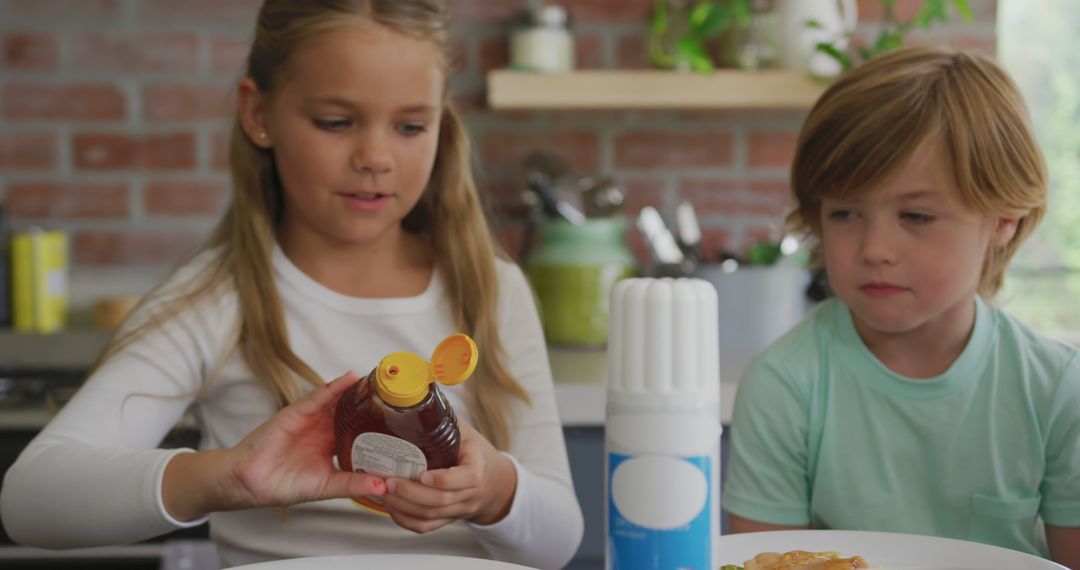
573,269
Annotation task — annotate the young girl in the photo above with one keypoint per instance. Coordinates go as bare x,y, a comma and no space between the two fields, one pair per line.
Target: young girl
908,403
354,231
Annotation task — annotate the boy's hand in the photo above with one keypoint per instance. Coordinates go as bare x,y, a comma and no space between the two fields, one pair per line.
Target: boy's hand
479,489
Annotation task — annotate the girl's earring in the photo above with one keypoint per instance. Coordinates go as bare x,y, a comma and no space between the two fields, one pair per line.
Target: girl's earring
262,136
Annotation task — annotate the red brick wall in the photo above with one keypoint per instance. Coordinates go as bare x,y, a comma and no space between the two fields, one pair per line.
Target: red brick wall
113,115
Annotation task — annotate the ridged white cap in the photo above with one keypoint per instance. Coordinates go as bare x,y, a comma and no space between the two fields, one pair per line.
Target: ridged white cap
663,343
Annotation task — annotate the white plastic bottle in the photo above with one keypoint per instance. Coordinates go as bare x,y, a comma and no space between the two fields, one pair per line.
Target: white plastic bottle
662,433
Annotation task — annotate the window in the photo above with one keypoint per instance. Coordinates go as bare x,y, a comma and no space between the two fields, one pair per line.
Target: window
1039,46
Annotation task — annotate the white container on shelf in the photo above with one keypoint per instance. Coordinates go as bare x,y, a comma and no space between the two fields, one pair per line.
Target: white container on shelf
662,435
835,20
543,41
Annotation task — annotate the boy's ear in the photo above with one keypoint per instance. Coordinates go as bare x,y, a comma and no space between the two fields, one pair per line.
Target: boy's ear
252,107
1004,230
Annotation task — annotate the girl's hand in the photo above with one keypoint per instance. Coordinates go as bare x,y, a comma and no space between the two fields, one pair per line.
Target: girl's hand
287,460
479,489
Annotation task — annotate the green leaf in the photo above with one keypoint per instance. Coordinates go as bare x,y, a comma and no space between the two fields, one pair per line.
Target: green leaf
887,42
702,64
659,23
964,8
708,19
740,9
888,3
659,57
833,52
763,253
658,26
930,12
940,9
688,47
922,17
693,51
814,24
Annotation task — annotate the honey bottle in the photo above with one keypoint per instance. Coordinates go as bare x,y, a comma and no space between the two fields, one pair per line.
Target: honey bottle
395,422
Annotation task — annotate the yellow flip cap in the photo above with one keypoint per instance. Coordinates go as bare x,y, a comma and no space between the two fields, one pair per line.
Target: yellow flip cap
402,378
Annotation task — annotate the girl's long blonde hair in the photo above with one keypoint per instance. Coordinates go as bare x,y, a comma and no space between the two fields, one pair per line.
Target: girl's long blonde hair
449,216
867,125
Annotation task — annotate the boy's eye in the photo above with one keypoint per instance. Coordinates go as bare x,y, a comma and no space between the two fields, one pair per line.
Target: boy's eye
411,129
332,125
840,214
916,217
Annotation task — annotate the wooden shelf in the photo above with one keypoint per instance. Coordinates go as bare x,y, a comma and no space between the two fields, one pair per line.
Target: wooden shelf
649,89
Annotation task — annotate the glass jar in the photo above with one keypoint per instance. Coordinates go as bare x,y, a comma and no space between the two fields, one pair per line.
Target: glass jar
669,24
542,41
756,46
572,270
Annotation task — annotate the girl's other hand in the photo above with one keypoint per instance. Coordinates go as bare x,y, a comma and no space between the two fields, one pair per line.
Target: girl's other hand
479,489
287,460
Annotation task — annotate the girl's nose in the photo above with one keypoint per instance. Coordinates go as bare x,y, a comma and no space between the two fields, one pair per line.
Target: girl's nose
372,154
879,243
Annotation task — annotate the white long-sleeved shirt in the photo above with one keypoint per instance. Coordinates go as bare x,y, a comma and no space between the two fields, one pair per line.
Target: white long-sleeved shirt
93,476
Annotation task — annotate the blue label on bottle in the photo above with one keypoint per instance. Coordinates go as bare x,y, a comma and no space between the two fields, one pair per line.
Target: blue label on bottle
659,512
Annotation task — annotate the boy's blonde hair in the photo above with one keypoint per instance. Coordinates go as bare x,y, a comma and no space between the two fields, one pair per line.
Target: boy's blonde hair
449,215
867,125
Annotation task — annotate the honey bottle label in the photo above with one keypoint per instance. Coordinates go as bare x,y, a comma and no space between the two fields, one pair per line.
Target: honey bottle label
387,456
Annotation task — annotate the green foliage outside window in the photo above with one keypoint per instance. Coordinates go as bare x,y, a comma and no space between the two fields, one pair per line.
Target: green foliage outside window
1041,50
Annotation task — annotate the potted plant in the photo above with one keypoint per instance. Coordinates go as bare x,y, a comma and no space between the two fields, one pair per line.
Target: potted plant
679,29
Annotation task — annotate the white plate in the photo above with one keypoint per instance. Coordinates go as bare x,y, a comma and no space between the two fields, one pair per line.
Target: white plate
883,550
390,561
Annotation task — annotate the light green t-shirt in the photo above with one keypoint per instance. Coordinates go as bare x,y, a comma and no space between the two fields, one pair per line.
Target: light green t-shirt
825,435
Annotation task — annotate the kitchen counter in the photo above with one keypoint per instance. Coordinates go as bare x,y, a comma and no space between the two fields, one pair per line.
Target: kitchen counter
578,374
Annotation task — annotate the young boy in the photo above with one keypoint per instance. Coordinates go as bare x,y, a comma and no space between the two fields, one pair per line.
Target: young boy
908,403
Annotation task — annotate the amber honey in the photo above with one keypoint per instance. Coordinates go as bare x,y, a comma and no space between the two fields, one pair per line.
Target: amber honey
396,422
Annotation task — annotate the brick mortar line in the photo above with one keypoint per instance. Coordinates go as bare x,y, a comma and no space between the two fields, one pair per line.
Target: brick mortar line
715,220
472,53
65,155
144,127
129,12
609,52
75,225
740,153
111,177
669,196
606,158
768,173
134,107
134,125
616,127
720,174
543,121
204,149
113,127
136,189
204,61
66,76
110,25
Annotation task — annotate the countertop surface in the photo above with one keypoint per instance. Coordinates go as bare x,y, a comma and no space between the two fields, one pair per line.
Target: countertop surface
578,374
